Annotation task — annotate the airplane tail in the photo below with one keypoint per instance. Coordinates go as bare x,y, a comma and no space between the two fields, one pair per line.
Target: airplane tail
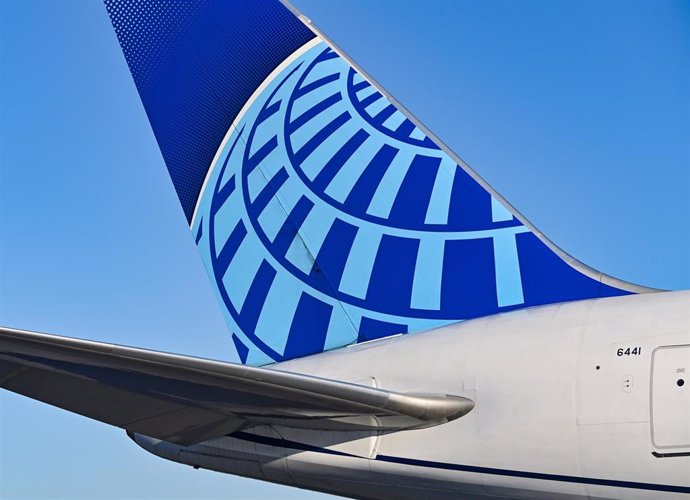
324,212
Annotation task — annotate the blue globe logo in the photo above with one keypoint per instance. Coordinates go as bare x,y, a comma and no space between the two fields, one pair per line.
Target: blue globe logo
329,218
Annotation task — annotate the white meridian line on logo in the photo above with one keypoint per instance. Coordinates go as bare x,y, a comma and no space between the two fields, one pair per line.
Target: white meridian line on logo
233,126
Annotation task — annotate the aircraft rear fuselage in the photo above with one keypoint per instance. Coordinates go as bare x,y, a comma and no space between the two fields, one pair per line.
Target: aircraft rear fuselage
587,399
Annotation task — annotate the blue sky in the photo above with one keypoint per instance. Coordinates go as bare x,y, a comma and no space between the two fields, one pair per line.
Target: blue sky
576,112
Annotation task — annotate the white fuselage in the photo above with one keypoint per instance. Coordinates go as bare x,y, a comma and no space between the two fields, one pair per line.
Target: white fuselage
575,400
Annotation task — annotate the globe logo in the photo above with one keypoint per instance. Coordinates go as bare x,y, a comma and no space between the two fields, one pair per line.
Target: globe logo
329,218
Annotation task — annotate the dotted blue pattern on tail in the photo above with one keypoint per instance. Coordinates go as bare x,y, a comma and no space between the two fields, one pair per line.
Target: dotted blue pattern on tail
195,64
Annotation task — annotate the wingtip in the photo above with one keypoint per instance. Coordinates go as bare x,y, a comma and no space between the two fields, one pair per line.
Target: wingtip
464,406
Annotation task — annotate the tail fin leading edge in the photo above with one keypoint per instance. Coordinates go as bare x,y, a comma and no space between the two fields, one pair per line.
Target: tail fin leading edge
324,213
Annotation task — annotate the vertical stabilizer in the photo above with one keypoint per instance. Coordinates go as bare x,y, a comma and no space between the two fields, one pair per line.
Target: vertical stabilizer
324,212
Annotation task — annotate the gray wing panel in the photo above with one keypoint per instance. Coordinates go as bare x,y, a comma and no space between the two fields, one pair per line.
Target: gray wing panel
186,400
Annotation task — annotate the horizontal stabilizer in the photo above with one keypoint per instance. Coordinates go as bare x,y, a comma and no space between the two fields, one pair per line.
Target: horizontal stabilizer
187,400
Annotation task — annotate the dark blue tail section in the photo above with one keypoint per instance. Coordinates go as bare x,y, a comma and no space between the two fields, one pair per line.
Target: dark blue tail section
324,214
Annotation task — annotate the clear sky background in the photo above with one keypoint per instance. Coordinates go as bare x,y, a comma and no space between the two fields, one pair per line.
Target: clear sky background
578,113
